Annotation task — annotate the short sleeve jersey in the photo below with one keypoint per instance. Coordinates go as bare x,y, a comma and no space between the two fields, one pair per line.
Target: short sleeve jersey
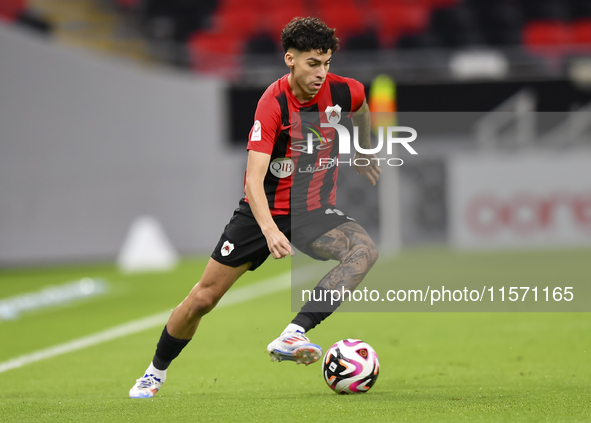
300,178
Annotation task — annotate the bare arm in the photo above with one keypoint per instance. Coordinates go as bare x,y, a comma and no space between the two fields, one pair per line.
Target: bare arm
256,169
362,119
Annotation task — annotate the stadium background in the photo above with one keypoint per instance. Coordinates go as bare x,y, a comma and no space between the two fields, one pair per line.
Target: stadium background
113,110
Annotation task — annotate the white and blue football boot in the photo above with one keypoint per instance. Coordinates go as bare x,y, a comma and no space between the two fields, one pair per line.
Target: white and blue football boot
145,387
294,346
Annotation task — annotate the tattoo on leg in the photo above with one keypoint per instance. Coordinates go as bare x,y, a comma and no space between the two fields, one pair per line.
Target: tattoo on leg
352,246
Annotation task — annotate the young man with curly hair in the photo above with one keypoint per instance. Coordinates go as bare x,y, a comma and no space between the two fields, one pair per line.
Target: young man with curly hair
288,197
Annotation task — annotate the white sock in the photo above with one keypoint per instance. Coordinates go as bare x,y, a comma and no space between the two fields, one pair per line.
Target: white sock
292,327
160,374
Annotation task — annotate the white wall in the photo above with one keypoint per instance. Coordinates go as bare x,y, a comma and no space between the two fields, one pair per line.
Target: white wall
87,144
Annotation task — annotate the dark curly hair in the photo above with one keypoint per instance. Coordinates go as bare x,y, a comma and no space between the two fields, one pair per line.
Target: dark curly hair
306,34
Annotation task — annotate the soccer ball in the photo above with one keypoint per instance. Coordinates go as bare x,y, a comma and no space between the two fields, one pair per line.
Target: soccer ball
350,366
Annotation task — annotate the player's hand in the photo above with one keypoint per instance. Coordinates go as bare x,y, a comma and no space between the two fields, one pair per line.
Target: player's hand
278,244
371,171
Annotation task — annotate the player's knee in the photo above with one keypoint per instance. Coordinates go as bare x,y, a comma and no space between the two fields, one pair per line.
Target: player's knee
368,252
373,253
202,302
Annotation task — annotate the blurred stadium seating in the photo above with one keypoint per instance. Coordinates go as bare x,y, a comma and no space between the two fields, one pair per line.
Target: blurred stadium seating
539,25
229,37
231,32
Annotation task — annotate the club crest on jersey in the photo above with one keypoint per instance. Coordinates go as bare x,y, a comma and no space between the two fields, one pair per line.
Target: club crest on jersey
227,248
256,131
282,167
333,114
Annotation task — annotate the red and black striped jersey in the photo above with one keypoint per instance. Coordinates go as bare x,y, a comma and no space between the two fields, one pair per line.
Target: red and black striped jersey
298,178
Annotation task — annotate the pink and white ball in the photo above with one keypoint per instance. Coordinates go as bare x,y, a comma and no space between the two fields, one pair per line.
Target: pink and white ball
350,366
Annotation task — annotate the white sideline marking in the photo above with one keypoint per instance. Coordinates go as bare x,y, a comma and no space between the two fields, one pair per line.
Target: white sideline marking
236,296
50,296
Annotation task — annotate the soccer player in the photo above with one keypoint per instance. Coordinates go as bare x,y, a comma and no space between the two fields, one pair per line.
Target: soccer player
290,194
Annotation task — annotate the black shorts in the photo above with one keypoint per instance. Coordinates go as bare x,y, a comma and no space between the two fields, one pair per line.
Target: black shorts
243,241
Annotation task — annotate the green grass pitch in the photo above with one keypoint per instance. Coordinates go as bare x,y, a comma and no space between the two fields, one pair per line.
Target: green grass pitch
435,367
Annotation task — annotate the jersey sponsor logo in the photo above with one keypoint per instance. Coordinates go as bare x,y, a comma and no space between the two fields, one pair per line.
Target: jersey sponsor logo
310,145
256,131
328,164
333,114
227,248
316,139
282,167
